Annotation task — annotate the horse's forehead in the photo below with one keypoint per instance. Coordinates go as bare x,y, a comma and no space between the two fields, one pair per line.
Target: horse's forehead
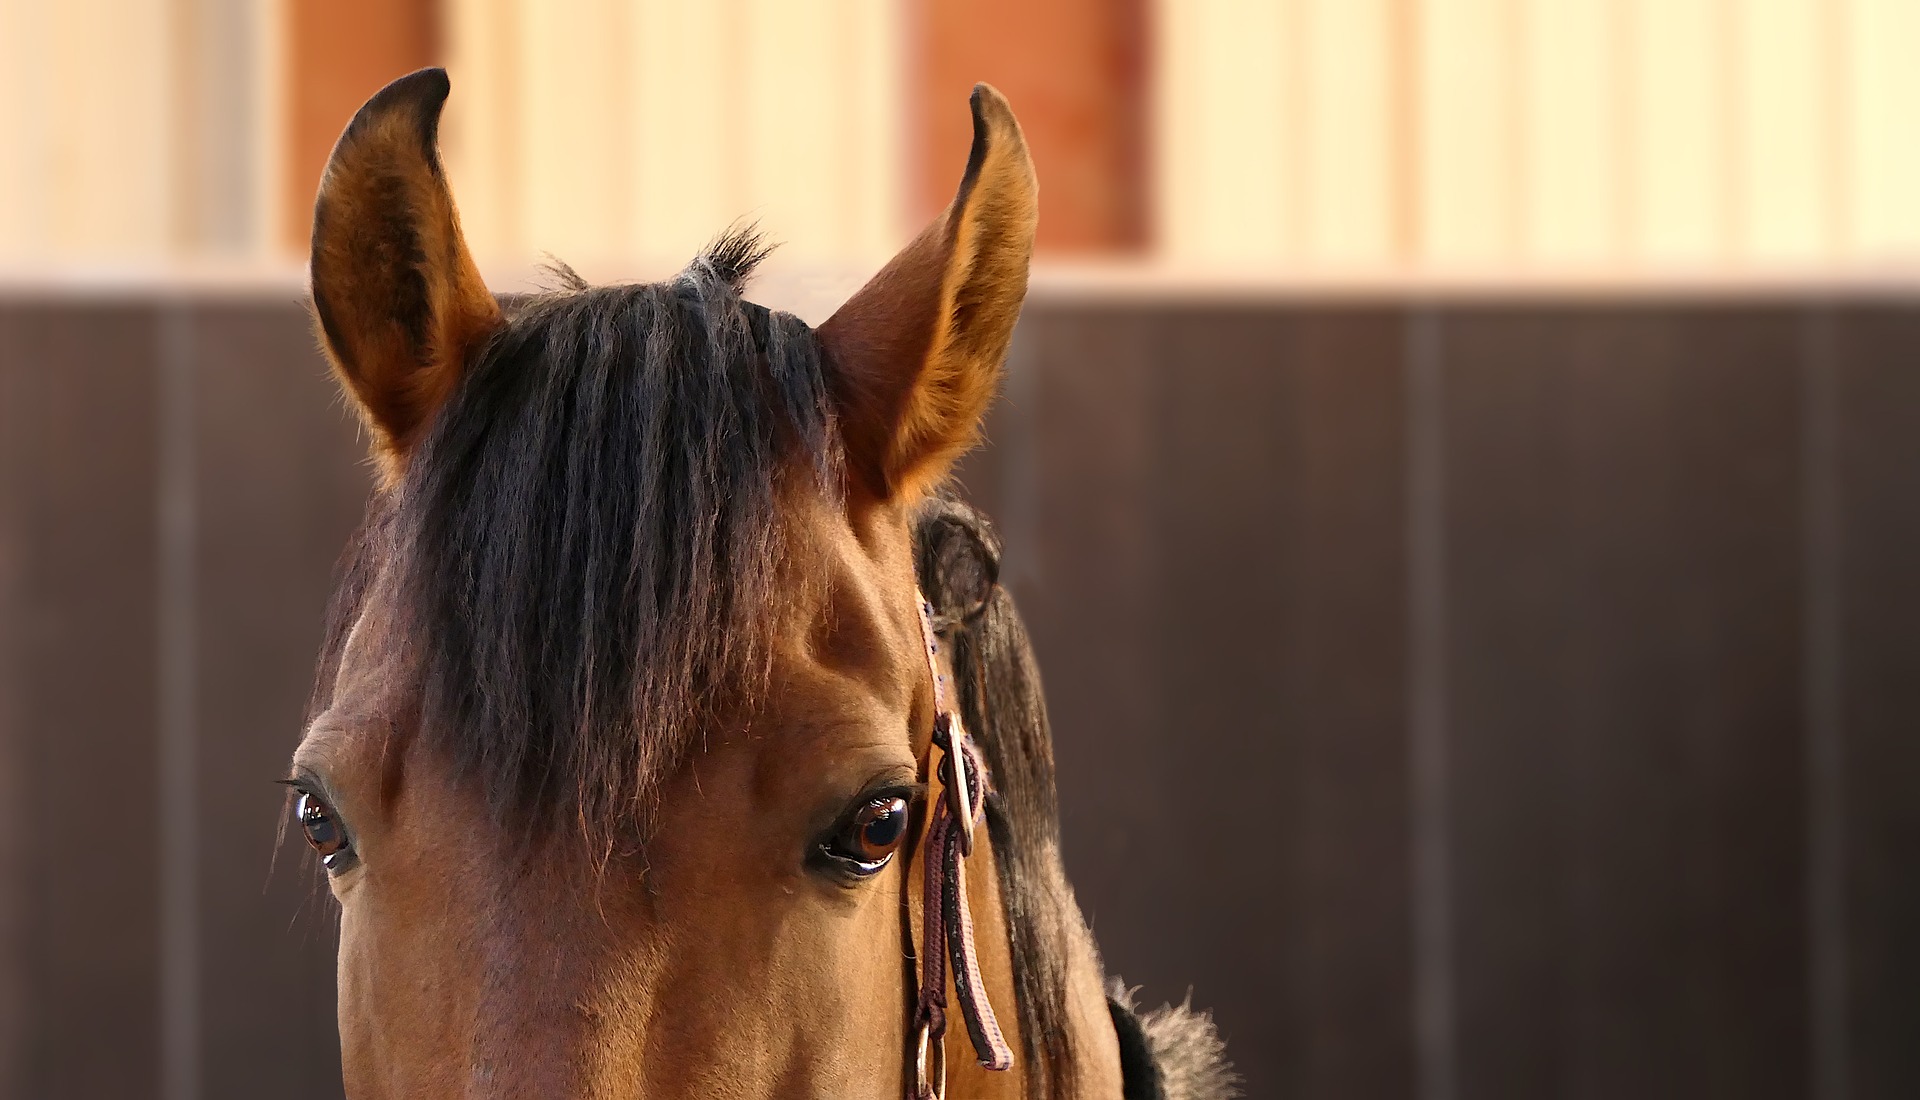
370,668
867,616
852,644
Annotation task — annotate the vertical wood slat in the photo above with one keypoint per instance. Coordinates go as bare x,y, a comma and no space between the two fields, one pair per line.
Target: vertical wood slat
1572,131
279,484
1882,87
1345,642
84,807
1789,159
1275,134
1628,777
1680,93
98,835
1701,134
1089,562
1209,475
780,113
1625,578
1823,744
1353,165
1470,190
16,556
1876,391
1228,154
88,128
573,94
222,92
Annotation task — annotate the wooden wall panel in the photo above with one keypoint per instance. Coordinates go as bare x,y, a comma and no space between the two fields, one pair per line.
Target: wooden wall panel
87,815
279,485
1201,481
18,392
1624,629
1084,562
1877,365
1214,520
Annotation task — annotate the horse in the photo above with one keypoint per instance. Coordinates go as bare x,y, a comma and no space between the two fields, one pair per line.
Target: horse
637,763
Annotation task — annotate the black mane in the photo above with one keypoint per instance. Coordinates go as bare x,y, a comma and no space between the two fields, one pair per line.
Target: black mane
590,539
1002,704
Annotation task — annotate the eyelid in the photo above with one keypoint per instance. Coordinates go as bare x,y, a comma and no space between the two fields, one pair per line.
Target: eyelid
305,780
911,793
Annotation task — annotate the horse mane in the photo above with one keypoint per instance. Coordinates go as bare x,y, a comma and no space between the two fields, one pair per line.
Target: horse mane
1173,1051
1001,703
590,541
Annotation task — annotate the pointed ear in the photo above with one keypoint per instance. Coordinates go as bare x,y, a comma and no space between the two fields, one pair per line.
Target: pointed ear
916,355
399,301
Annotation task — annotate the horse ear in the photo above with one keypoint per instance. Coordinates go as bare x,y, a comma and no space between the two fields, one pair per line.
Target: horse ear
916,354
399,301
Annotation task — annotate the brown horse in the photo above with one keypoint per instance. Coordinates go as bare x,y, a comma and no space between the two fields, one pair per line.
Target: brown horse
626,761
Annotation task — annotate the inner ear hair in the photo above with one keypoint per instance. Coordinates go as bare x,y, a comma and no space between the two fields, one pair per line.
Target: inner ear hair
398,299
917,353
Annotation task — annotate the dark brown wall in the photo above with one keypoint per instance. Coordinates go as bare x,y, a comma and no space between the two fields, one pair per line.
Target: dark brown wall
1462,699
175,480
81,809
1482,700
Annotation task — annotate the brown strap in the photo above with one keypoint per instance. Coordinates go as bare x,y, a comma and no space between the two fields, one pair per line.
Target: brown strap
947,927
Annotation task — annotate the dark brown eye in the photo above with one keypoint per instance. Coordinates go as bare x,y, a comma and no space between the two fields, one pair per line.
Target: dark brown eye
869,838
323,830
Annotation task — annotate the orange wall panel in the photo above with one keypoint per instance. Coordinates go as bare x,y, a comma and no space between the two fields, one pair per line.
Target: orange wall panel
339,52
1076,73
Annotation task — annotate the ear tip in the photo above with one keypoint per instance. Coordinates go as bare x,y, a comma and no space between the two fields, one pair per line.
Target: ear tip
994,127
991,111
421,94
422,87
997,134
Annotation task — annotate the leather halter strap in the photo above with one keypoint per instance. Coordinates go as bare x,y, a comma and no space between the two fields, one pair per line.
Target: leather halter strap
946,926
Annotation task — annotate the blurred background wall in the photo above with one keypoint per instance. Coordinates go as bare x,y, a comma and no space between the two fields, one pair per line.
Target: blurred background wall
1310,135
1459,461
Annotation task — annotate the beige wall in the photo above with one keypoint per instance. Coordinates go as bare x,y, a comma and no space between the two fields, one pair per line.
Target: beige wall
1308,136
1604,134
133,130
623,136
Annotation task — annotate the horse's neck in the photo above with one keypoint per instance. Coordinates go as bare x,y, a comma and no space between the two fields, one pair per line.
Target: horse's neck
1090,1036
1096,1049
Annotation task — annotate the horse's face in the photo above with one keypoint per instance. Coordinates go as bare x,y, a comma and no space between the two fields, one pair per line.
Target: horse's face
753,947
718,905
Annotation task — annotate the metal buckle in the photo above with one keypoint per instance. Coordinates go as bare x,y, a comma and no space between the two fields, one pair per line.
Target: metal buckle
925,1087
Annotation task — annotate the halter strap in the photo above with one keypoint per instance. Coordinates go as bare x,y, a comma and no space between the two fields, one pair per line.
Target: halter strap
946,926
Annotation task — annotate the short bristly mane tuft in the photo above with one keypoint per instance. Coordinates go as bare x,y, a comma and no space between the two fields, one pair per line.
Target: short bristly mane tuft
733,256
590,540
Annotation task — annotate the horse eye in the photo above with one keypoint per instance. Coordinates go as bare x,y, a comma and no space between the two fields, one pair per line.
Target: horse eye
869,838
323,830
